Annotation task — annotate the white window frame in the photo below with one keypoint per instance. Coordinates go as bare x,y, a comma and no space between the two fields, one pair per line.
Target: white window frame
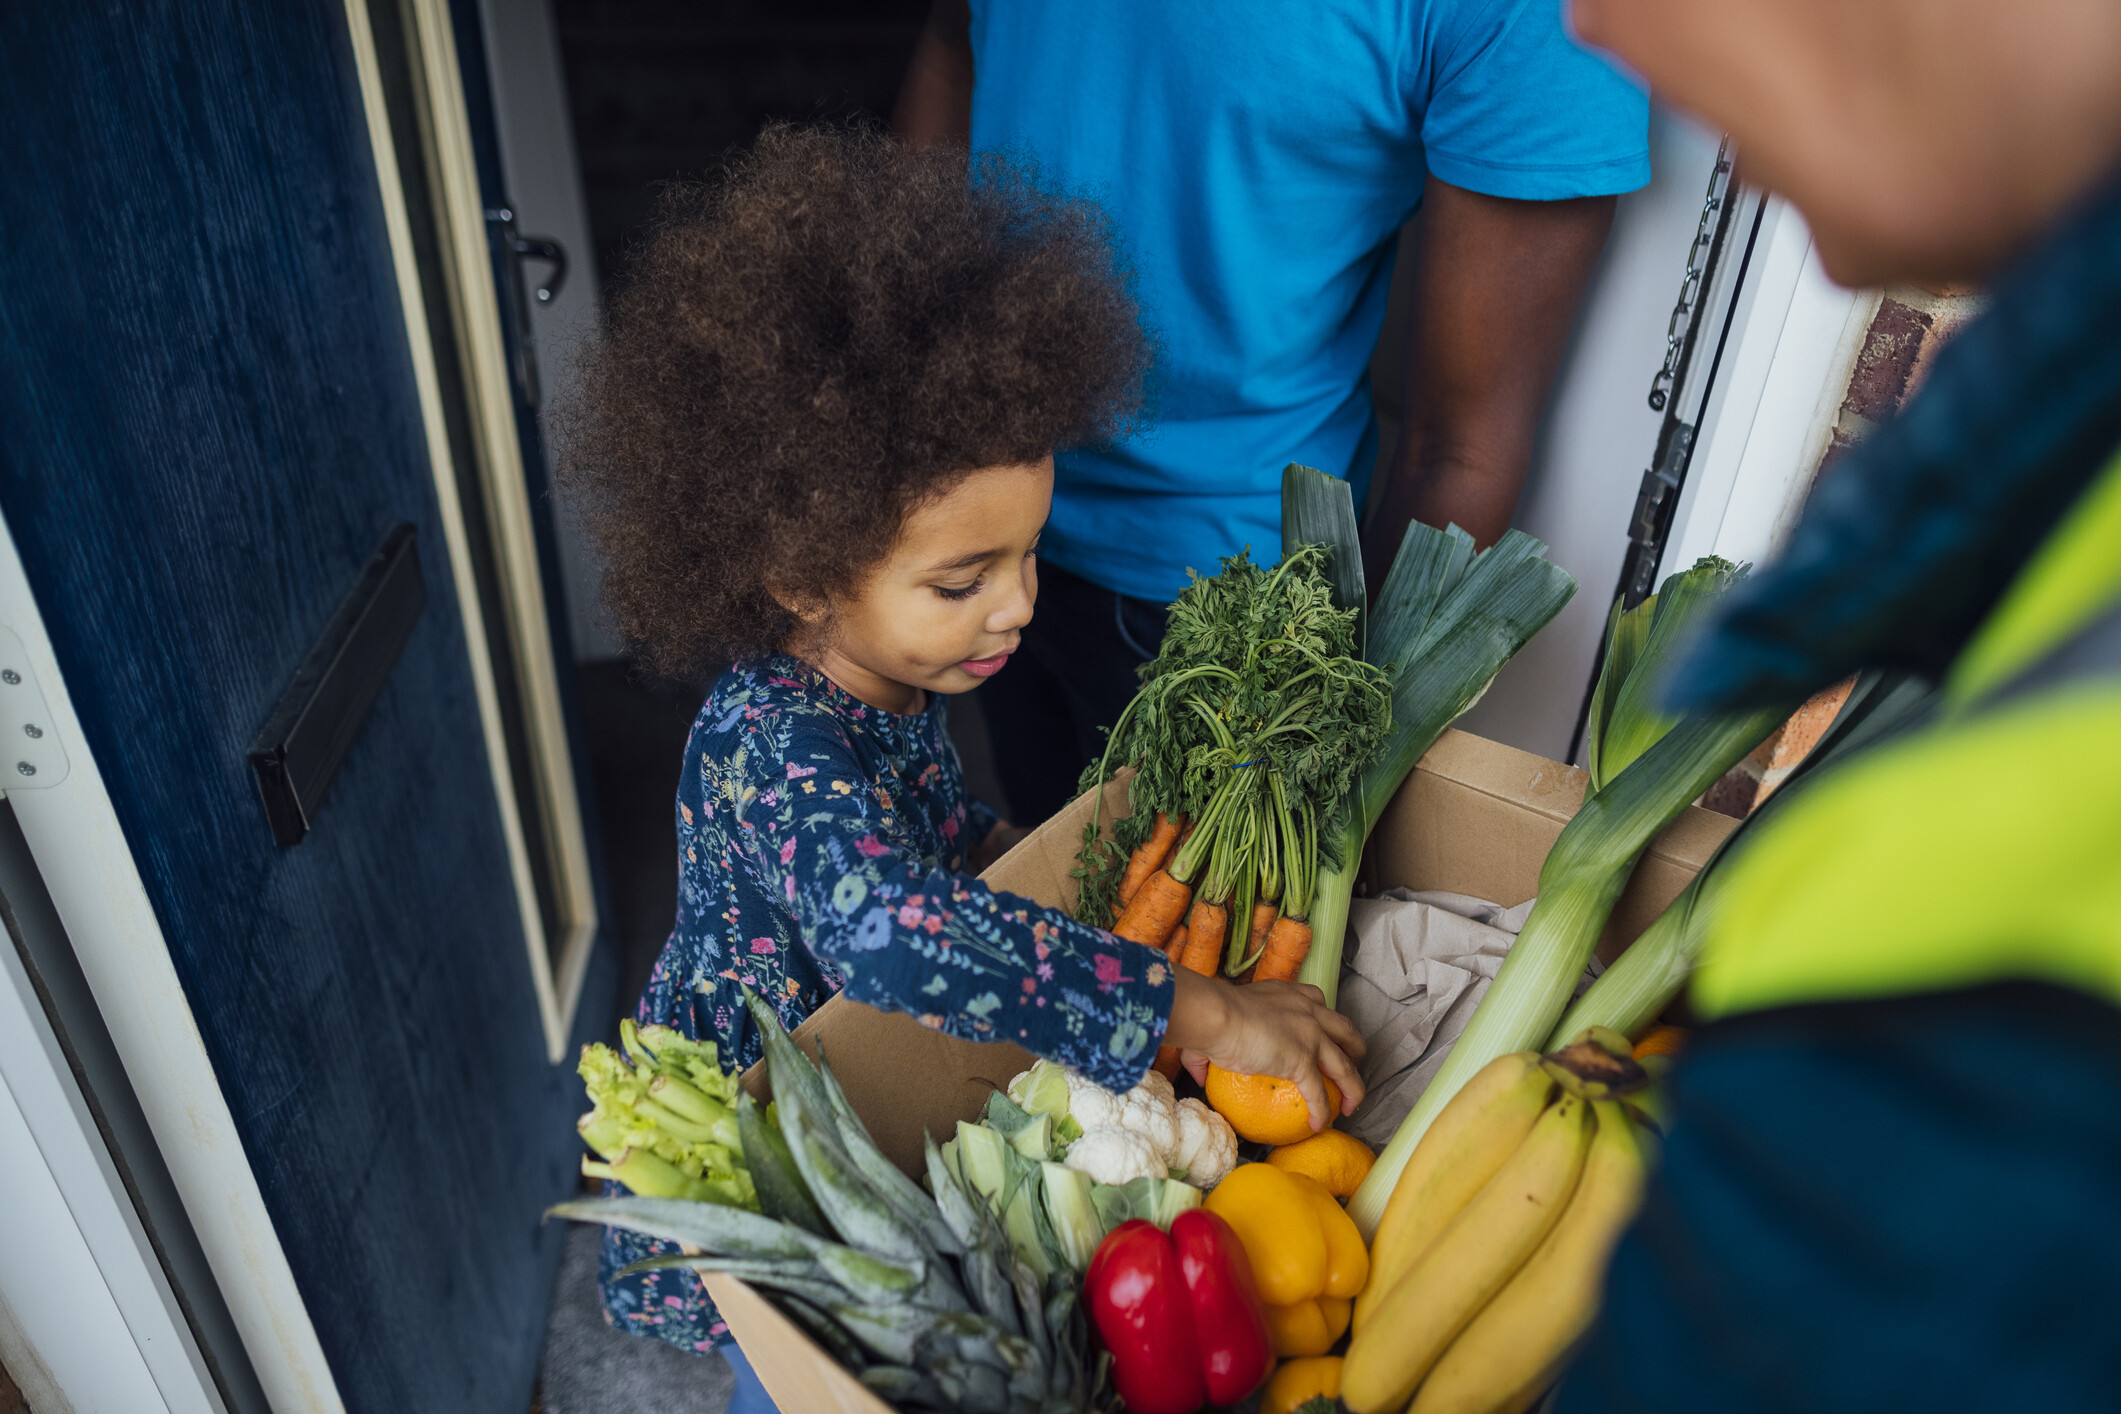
1793,342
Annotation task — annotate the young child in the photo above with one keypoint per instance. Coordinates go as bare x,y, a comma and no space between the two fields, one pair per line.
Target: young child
817,440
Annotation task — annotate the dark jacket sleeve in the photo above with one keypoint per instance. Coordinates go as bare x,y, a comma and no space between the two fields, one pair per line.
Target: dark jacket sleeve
1900,1204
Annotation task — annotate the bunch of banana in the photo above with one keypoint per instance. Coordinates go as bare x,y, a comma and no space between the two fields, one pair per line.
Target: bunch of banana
1486,1266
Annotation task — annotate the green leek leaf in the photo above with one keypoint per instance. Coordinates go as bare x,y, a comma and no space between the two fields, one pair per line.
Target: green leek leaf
1646,640
1317,509
1643,981
1446,621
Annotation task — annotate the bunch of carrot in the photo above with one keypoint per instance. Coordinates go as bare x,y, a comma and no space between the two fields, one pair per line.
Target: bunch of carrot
1250,727
1159,910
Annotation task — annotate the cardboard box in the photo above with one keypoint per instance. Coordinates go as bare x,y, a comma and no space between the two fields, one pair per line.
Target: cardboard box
1475,817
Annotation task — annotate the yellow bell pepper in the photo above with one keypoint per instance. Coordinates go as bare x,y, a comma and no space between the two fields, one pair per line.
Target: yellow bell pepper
1347,1260
1276,1221
1306,1253
1308,1327
1298,1382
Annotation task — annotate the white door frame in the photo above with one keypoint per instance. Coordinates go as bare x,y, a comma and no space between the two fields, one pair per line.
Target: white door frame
1787,348
88,1322
73,833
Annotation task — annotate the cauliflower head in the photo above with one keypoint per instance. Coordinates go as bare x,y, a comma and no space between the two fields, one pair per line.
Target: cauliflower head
1207,1145
1090,1104
1109,1153
1150,1109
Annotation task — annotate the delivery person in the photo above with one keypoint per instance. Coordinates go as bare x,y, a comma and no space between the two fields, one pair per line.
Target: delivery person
1257,159
1894,1177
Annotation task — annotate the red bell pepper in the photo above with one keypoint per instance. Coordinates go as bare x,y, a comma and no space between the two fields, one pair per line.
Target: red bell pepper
1180,1313
1229,1319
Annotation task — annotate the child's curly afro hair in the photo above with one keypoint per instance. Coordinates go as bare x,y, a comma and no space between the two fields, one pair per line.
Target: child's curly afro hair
805,350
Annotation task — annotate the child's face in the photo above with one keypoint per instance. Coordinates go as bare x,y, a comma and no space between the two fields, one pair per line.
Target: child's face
945,609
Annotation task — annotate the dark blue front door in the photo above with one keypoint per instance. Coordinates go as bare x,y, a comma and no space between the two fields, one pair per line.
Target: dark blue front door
208,419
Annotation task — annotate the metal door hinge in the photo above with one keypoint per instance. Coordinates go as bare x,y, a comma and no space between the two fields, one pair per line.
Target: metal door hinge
30,755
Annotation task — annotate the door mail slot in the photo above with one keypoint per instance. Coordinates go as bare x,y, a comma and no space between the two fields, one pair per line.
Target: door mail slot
298,751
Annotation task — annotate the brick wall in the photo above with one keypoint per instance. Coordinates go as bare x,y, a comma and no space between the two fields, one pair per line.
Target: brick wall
1911,325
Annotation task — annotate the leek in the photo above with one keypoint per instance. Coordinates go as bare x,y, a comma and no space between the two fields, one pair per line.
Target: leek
1445,622
1636,989
1642,981
1650,768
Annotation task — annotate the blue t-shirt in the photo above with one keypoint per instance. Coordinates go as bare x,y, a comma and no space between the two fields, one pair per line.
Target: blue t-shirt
1257,158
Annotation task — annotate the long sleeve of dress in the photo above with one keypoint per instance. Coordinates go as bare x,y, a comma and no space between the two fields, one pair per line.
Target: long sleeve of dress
908,934
819,843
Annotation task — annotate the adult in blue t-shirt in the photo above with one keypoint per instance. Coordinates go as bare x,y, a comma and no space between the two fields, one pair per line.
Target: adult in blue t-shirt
1257,159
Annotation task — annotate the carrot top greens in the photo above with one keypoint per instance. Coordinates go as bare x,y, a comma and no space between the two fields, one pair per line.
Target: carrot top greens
1254,721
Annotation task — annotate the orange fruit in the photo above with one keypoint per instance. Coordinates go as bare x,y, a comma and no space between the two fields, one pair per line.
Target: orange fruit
1264,1108
1339,1161
1661,1041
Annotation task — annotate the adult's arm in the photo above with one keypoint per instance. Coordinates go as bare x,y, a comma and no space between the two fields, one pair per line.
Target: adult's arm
1496,286
935,101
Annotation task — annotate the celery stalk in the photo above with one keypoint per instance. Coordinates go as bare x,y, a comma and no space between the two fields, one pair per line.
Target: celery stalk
650,1177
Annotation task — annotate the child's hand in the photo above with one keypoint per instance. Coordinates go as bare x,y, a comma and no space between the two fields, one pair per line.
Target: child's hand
1283,1029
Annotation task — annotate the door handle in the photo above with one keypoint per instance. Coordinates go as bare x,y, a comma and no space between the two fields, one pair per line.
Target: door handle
546,249
520,248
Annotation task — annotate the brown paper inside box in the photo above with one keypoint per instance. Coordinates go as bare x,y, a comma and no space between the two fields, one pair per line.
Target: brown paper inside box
1475,817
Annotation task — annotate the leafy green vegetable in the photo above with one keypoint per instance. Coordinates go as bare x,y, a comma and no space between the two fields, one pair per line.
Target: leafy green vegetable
930,1308
779,1183
1071,1209
1253,722
1155,1200
1589,866
664,1124
1043,1090
1641,643
1445,621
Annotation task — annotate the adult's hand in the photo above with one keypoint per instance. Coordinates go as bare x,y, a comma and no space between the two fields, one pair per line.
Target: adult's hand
935,101
1496,286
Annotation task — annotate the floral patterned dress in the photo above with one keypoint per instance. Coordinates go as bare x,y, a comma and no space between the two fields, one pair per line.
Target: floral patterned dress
819,847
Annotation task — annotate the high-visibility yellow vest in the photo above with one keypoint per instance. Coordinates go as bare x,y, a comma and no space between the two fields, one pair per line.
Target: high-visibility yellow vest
1982,847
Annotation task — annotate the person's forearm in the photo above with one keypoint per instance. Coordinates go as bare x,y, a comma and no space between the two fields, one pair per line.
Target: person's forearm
1474,487
1497,284
935,101
1199,1011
